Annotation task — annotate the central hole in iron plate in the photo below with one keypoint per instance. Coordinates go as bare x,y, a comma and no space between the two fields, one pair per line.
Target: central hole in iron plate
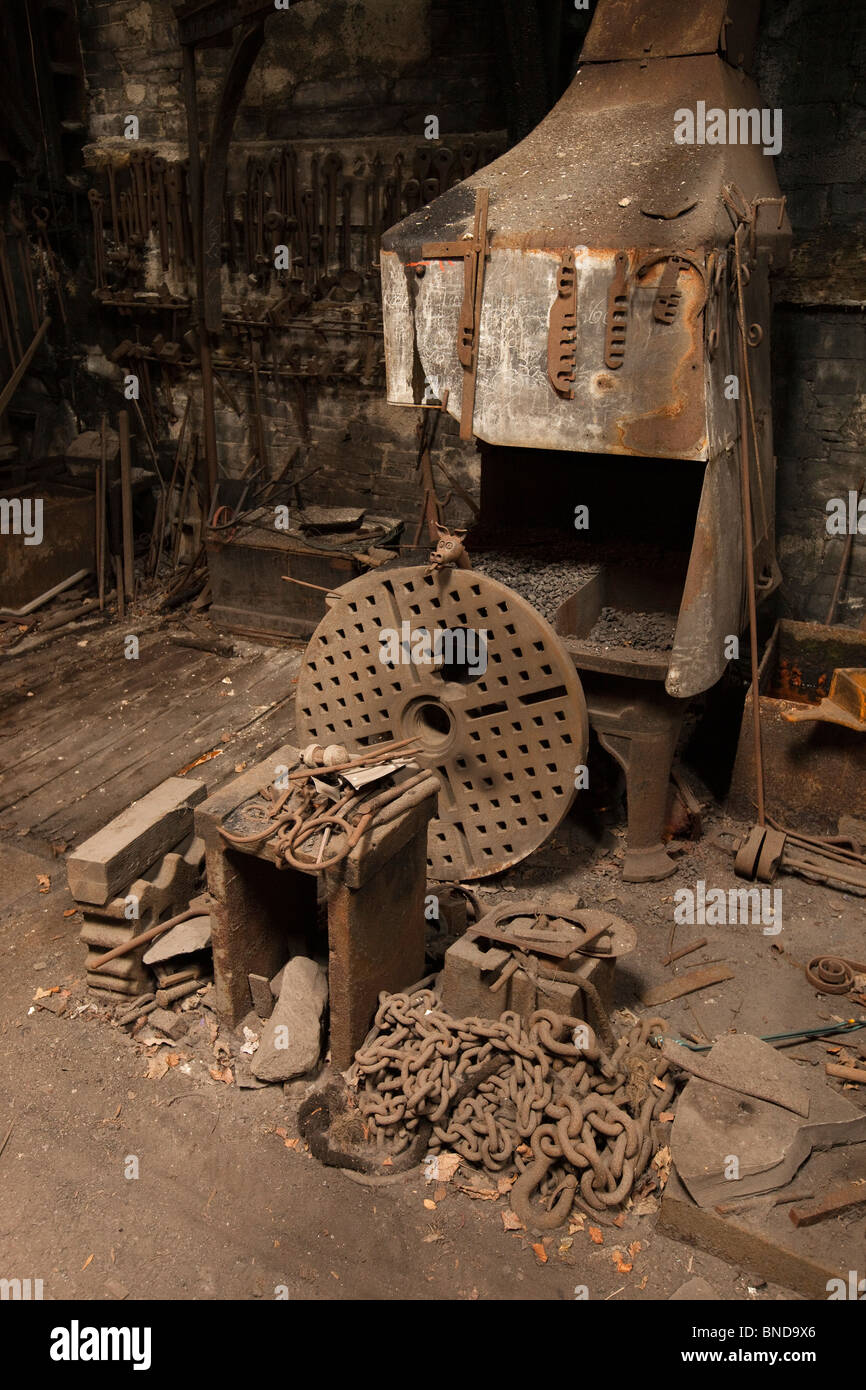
431,722
464,656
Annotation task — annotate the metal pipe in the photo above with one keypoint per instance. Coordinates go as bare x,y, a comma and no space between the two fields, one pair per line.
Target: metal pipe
43,598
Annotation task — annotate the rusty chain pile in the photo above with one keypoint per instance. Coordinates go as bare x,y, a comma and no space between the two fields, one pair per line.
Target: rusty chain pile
493,1089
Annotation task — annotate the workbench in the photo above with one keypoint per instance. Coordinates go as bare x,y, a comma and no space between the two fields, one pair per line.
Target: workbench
375,905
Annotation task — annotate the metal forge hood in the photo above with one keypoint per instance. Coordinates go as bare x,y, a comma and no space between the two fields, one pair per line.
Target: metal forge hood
597,310
603,173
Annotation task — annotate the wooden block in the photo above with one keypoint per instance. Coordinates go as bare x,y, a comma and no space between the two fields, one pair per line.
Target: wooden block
123,849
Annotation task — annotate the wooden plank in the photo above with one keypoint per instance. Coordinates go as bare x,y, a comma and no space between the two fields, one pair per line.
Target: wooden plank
120,781
79,742
686,984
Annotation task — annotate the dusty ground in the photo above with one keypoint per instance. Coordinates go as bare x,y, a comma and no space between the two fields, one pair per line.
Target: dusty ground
224,1207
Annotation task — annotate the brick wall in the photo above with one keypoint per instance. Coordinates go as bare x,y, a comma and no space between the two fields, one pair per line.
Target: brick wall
812,64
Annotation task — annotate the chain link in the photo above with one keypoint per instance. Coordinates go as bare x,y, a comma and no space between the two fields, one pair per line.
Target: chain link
575,1121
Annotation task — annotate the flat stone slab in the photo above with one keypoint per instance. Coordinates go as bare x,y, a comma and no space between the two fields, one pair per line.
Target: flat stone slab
182,940
119,853
291,1041
168,1022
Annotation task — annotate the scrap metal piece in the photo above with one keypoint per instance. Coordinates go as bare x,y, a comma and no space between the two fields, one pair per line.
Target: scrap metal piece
562,333
840,1200
845,704
772,1142
833,974
504,732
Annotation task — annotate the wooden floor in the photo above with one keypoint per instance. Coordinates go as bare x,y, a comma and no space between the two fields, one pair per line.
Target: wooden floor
84,731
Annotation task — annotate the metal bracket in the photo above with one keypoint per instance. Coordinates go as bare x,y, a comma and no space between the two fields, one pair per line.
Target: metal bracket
473,252
617,314
562,333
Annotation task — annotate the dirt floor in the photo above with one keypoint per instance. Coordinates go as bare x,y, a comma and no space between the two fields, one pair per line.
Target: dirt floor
227,1203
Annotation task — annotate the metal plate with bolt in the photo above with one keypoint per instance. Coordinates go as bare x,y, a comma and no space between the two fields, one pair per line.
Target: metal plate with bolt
504,740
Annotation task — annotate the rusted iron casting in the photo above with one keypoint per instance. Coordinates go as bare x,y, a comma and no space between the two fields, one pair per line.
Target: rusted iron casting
505,740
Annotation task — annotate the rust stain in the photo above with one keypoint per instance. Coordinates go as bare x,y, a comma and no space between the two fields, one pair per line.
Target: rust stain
678,427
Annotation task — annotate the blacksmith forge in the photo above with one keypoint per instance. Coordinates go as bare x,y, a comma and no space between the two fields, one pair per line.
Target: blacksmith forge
596,304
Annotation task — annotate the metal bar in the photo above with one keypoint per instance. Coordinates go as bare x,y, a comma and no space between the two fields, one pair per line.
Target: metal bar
126,503
12,384
195,188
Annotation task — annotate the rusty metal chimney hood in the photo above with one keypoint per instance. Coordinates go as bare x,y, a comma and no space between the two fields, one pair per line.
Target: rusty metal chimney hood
579,293
601,174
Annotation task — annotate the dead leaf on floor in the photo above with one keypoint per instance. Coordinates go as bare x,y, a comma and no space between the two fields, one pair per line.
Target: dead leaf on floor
223,1074
596,1235
511,1221
504,1185
44,883
619,1221
431,1206
662,1164
156,1068
70,912
540,1253
44,993
291,1143
634,1249
441,1167
577,1223
484,1194
647,1206
283,1133
622,1266
87,1262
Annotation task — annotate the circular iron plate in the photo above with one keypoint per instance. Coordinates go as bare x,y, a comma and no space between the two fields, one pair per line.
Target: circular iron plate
505,742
